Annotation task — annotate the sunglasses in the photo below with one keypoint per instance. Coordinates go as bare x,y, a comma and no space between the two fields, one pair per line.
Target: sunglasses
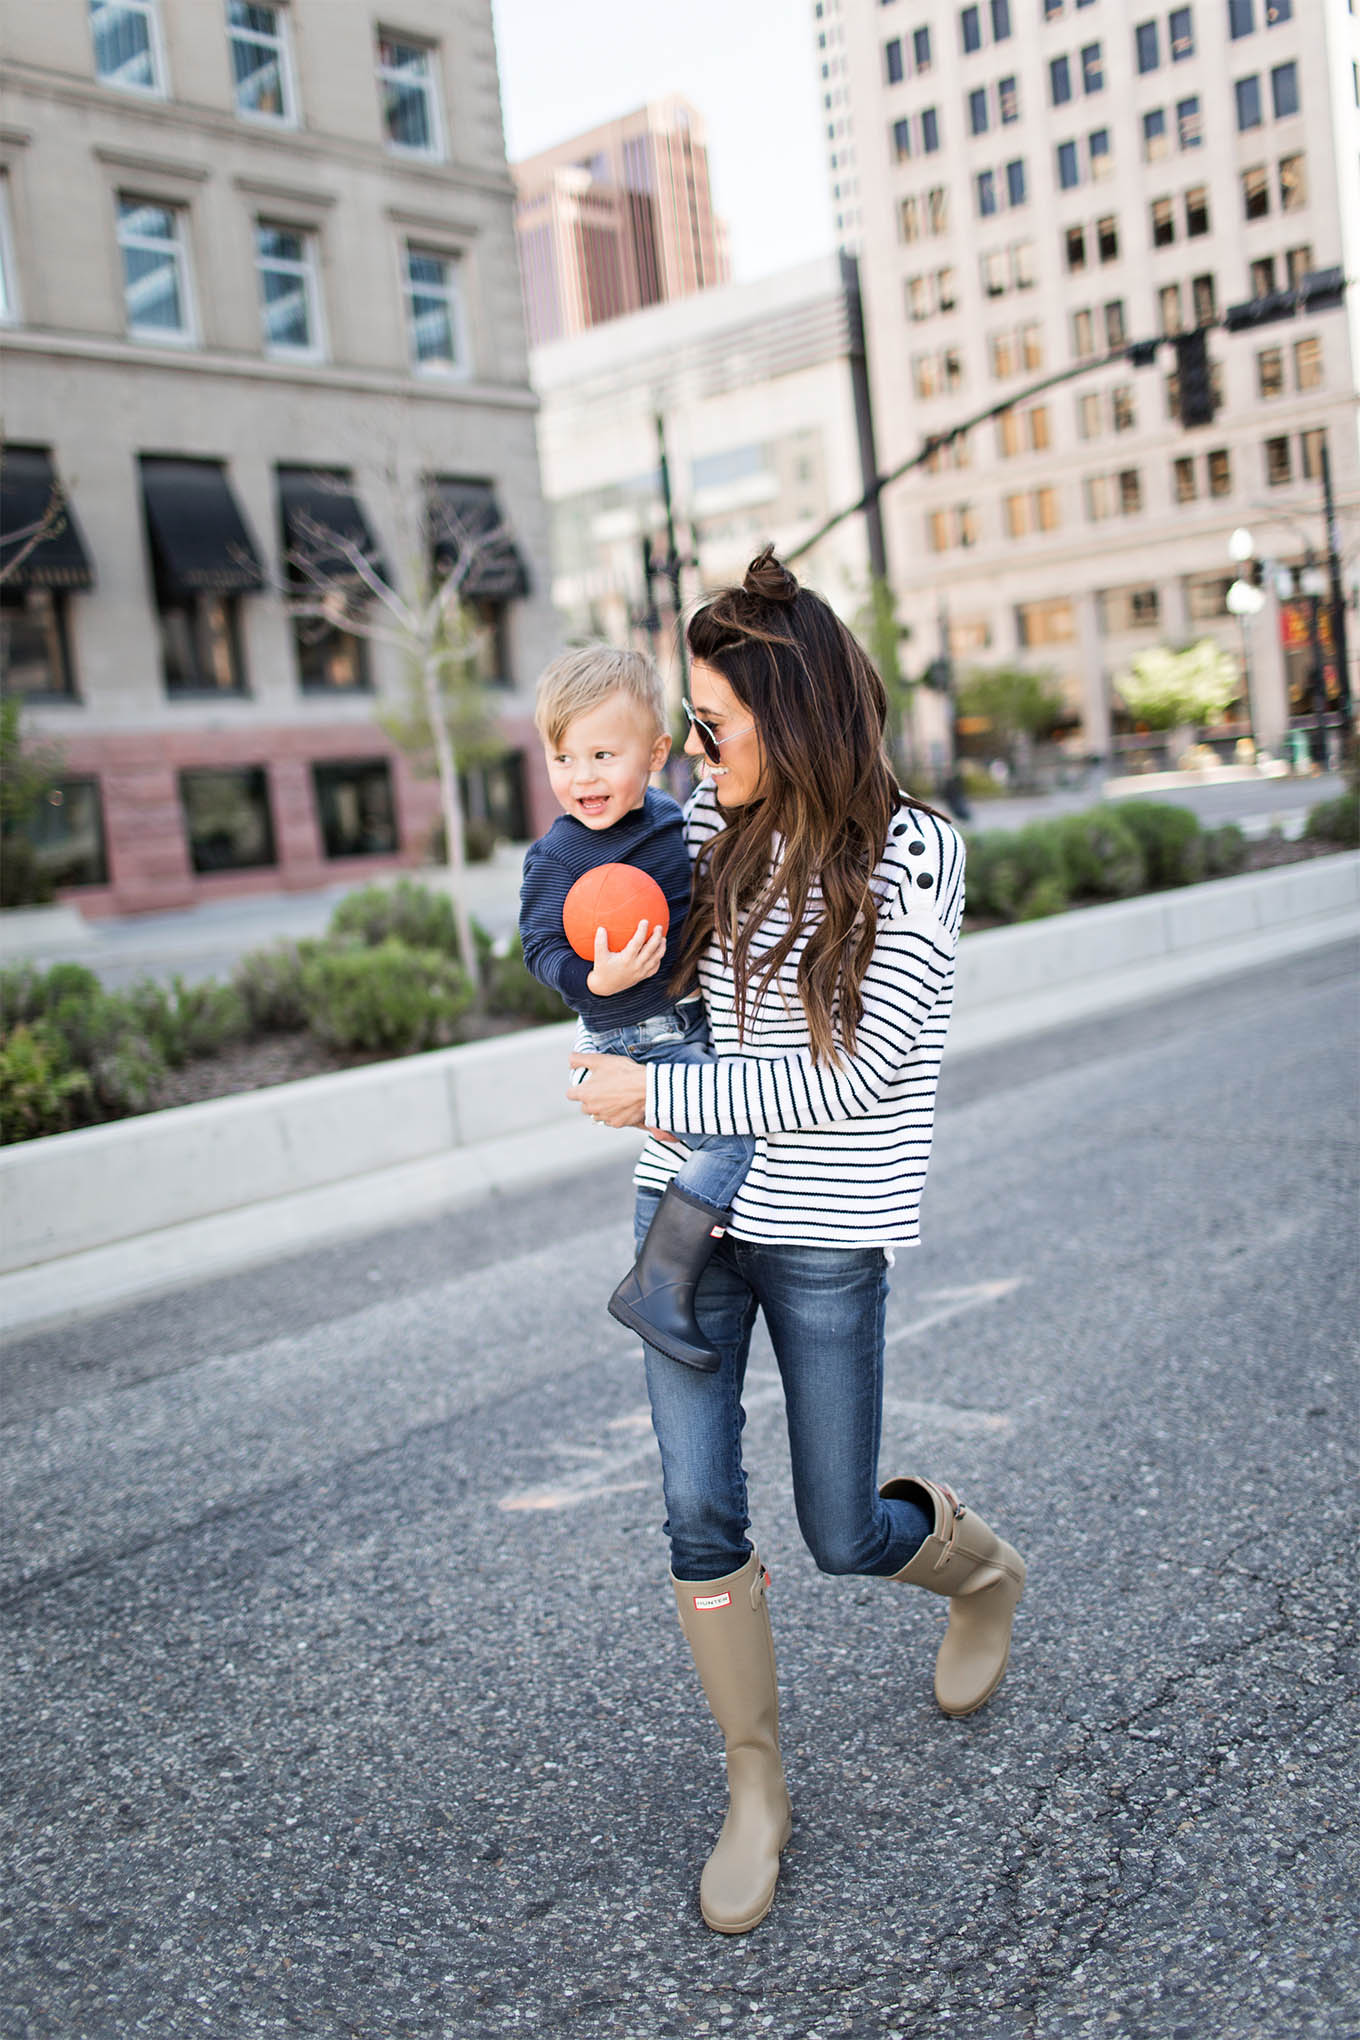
711,742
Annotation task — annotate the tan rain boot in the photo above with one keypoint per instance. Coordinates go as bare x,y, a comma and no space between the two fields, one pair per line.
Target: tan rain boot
983,1578
727,1627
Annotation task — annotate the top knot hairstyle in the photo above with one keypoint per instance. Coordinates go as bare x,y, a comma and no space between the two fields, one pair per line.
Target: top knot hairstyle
827,796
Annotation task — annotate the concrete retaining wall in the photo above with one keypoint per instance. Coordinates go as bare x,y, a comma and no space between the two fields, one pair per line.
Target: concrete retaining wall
75,1191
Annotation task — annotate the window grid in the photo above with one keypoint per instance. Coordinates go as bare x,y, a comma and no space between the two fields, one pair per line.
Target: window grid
262,74
290,312
410,104
127,45
155,271
434,312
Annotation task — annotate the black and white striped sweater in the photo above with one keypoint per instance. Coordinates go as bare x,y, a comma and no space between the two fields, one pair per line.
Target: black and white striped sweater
841,1153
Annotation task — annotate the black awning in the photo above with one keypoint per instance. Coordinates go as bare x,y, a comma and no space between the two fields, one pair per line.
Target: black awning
199,541
316,507
464,516
29,494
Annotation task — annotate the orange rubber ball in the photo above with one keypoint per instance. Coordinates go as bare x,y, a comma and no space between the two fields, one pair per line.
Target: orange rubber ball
614,897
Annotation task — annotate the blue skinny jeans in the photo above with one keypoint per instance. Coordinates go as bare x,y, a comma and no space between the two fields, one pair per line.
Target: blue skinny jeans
824,1309
717,1162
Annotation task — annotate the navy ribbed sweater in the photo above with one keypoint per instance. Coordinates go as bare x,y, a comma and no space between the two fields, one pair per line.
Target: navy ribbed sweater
653,838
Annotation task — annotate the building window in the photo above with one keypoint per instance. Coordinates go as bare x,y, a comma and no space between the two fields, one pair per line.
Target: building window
1083,335
977,112
1255,193
1283,10
1308,364
127,45
1293,183
1092,69
946,290
1088,415
1241,18
1248,91
1197,212
1311,447
951,370
1145,43
1115,333
908,220
1183,479
1169,307
1107,238
410,106
1279,467
970,29
285,260
1263,276
1003,356
434,312
1102,162
1219,465
355,808
35,641
1074,243
1122,413
1001,20
1045,623
261,71
1270,372
227,818
201,645
1015,183
1130,492
1017,516
1059,81
930,131
1284,90
1126,609
1069,176
938,529
1008,440
1163,222
986,193
1046,509
1204,300
920,49
995,280
893,68
1022,265
1036,424
1206,596
1180,31
1298,262
1189,124
66,831
1008,101
1032,346
1156,140
918,298
901,140
155,272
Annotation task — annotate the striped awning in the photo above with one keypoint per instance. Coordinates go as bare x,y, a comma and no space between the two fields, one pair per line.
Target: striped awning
32,501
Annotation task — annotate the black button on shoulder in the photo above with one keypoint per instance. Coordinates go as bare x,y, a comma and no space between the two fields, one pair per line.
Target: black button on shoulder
925,879
916,849
898,829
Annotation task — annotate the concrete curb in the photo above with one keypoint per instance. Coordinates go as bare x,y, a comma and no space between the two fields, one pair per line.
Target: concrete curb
96,1217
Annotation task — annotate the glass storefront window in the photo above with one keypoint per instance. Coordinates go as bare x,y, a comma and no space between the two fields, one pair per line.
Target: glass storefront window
66,830
227,818
35,646
201,645
355,808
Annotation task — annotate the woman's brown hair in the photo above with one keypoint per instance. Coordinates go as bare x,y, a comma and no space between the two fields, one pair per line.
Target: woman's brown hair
820,822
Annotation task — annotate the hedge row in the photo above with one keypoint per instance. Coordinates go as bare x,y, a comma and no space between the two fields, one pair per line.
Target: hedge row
1105,853
384,977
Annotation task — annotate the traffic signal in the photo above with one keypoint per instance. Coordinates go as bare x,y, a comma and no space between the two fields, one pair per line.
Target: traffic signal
1194,379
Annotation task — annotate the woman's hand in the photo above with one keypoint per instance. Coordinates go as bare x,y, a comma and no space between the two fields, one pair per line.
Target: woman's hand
614,1089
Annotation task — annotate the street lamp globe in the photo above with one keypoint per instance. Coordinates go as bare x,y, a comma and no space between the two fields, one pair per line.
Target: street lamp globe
1241,545
1244,601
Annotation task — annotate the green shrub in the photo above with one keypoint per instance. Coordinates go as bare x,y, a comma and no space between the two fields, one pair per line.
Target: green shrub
1336,821
38,1090
27,993
269,982
1046,896
23,881
513,989
1101,856
1004,867
413,914
1170,838
207,1018
391,997
479,842
1225,850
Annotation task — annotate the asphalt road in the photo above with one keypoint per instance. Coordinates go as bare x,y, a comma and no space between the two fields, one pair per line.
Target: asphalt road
346,1695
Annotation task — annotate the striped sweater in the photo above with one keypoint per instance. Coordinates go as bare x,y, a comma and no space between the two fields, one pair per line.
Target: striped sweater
841,1153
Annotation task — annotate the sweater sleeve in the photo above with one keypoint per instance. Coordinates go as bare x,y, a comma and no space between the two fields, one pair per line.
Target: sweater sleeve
547,952
911,963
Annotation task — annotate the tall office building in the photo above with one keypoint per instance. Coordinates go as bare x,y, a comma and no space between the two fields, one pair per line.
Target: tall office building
257,280
616,220
1034,184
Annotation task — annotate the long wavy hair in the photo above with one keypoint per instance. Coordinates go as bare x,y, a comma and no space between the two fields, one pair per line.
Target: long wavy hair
819,823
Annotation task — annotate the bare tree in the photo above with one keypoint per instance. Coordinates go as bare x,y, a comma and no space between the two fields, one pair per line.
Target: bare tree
342,584
29,537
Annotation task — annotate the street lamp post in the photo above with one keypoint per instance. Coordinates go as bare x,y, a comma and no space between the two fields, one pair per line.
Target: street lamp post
1245,601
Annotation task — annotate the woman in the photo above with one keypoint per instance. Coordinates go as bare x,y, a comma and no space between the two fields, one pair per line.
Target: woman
822,933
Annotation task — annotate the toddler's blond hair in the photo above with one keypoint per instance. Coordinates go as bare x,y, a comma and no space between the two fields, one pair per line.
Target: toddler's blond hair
582,679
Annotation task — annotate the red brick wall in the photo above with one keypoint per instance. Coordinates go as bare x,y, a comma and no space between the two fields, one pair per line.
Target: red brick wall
148,851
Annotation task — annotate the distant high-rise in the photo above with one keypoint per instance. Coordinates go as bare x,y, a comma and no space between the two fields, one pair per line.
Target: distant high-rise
617,219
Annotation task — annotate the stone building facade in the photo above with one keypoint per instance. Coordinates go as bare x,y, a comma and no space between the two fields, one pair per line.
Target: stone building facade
258,260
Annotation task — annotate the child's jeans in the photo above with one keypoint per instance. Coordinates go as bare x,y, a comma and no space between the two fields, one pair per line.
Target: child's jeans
717,1162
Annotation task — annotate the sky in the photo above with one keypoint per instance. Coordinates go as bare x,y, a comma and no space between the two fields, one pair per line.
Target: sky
750,68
